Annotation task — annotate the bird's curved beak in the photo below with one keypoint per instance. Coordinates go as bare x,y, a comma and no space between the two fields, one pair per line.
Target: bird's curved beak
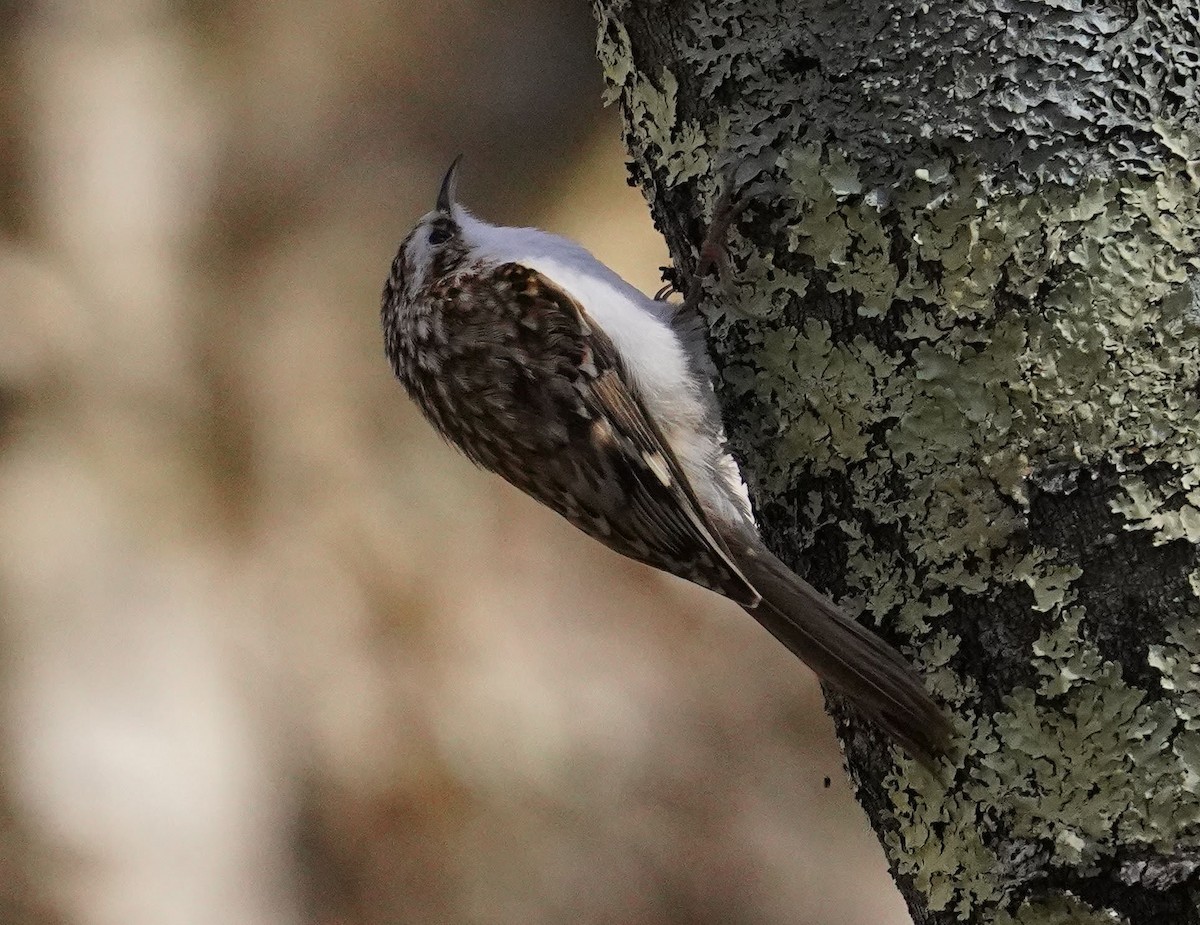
445,200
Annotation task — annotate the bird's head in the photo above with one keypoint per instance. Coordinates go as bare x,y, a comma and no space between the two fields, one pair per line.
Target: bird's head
433,249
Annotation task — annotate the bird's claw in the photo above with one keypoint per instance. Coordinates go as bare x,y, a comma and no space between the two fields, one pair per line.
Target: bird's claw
714,249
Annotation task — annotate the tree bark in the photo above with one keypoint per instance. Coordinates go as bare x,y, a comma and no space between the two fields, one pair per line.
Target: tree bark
960,362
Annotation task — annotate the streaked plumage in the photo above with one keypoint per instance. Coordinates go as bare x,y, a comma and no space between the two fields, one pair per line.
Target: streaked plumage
545,367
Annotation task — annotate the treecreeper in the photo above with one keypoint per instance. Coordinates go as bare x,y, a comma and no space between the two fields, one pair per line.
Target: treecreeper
544,366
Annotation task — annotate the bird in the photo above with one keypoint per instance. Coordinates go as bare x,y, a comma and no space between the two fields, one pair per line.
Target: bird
546,367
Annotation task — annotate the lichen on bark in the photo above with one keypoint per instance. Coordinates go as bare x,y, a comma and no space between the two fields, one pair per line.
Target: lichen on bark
962,369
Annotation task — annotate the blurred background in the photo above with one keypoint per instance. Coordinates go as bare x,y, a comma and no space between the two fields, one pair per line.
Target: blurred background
269,651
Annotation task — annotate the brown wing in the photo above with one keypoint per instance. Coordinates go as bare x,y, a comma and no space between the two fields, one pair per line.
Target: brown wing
543,382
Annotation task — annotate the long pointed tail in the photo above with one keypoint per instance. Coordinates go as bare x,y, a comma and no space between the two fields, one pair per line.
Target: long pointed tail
845,654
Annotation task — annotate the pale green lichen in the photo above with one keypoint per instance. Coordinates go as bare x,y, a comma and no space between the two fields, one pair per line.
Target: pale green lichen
825,226
1061,910
1056,768
679,148
943,856
1049,581
682,146
1044,315
1178,661
791,364
1061,660
1145,509
936,655
613,52
1055,776
1063,773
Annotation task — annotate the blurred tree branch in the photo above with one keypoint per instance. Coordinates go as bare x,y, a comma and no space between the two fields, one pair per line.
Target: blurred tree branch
961,368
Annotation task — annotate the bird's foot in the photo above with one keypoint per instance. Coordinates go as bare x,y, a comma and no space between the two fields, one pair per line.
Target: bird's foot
714,249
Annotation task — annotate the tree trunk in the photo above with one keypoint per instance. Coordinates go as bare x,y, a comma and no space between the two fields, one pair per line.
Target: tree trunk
959,359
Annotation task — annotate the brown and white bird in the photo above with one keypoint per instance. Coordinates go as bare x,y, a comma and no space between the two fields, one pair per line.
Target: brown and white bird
544,366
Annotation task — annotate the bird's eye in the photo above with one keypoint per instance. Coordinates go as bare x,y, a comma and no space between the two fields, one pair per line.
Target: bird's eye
438,236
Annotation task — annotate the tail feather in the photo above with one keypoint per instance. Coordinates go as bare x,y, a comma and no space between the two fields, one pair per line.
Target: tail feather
846,655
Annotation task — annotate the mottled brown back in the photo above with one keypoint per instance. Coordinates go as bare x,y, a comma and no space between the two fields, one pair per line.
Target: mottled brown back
508,367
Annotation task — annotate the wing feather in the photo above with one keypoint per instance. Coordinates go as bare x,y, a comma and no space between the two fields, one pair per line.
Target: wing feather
555,390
